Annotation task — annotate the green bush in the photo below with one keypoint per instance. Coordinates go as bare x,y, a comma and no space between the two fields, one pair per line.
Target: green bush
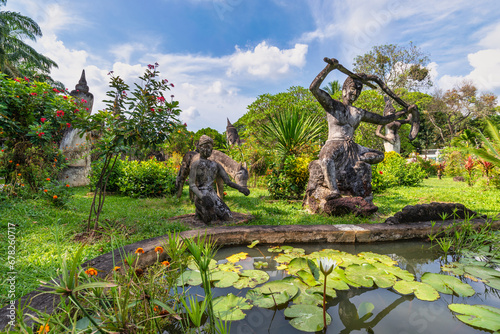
114,177
455,161
396,171
290,182
147,178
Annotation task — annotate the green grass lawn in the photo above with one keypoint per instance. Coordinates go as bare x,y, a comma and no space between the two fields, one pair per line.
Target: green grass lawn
45,233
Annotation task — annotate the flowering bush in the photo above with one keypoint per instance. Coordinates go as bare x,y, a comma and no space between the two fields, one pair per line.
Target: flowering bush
290,182
395,171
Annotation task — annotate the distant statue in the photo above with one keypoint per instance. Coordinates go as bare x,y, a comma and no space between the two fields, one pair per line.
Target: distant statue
392,141
232,135
209,206
343,166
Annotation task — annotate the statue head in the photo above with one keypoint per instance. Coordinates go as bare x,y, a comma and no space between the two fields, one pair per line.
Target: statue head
351,90
205,146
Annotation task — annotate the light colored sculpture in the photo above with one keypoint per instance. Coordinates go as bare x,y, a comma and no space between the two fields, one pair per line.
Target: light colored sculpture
203,172
392,141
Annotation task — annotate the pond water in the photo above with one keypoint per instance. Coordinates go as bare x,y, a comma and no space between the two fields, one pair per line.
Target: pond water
392,312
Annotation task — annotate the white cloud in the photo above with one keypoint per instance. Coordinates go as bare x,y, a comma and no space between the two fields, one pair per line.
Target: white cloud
266,61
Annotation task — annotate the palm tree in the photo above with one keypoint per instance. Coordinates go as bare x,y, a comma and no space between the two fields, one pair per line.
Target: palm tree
332,87
14,28
291,131
490,146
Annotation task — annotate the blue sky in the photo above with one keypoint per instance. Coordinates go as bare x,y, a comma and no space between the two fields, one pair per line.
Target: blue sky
222,54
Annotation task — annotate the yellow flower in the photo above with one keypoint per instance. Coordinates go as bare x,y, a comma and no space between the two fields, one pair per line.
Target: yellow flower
159,249
139,251
91,272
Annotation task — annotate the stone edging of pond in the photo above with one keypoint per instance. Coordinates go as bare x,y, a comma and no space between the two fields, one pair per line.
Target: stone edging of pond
242,235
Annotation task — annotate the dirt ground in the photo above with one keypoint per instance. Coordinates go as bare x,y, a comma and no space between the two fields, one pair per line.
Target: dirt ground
191,221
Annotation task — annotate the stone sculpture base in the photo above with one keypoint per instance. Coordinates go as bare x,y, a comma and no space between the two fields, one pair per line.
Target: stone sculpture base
432,212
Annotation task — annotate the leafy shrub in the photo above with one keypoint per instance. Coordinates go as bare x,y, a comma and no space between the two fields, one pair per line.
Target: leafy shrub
114,177
455,161
427,165
396,171
290,182
147,178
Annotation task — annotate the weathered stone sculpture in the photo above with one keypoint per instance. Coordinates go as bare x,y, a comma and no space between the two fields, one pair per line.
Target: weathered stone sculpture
232,135
392,142
209,206
238,171
343,166
76,148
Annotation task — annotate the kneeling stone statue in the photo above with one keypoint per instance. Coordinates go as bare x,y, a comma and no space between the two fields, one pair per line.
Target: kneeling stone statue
203,172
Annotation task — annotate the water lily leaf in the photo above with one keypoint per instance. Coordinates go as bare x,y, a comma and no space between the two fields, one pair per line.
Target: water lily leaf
396,271
228,266
229,308
374,257
237,257
422,291
267,300
282,267
304,296
455,268
365,311
251,278
307,318
490,276
320,289
298,251
191,277
193,266
253,244
275,249
298,264
224,279
285,248
284,258
260,264
482,316
279,286
448,284
366,274
307,278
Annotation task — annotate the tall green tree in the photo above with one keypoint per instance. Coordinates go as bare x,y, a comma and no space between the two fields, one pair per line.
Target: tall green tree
332,88
14,30
399,66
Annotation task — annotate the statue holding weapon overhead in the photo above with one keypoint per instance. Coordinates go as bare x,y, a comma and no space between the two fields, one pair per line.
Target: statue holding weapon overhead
343,166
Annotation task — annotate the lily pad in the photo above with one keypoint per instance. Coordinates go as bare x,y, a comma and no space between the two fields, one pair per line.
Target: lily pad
338,281
253,244
224,279
269,300
279,286
191,277
251,278
422,291
284,258
307,278
366,274
374,257
293,250
489,275
304,295
455,268
320,289
365,311
448,284
396,271
307,318
229,308
260,264
228,266
482,316
193,266
274,249
237,257
298,264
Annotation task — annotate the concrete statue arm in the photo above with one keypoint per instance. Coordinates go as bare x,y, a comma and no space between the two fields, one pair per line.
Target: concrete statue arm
192,180
326,101
379,133
373,118
227,180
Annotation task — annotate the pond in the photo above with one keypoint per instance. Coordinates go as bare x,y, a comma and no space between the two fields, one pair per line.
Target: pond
355,309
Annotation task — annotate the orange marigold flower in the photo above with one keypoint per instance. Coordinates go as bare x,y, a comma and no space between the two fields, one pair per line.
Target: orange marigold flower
139,251
166,263
156,309
67,185
10,160
48,179
17,164
22,184
91,272
45,190
54,197
116,268
19,174
43,329
159,249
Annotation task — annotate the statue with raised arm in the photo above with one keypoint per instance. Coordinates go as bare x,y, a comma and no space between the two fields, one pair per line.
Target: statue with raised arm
343,166
203,172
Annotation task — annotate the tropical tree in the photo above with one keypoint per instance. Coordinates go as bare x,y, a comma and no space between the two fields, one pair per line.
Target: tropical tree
332,88
399,66
14,29
490,146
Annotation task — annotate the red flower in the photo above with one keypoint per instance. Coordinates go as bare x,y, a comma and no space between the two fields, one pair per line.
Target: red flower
87,109
59,113
380,172
65,97
76,110
33,94
185,124
26,79
40,134
151,66
152,109
43,119
172,84
55,90
16,79
161,99
68,125
84,101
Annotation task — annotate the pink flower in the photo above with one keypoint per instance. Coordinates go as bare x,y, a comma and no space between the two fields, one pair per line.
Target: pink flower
185,124
171,96
161,99
110,72
41,134
43,119
84,101
172,85
165,80
87,109
68,125
26,79
76,110
151,66
16,79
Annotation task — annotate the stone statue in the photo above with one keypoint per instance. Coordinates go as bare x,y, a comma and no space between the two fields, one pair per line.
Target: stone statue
392,142
232,135
343,166
209,206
